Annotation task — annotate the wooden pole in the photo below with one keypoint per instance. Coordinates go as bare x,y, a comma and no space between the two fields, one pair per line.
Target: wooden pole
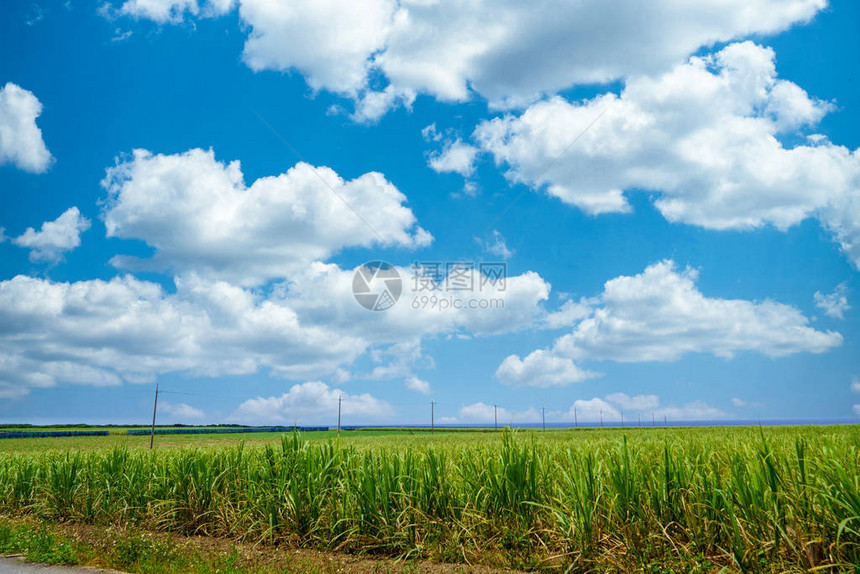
154,408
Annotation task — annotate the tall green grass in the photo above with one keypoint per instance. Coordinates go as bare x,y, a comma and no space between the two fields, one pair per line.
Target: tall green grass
751,500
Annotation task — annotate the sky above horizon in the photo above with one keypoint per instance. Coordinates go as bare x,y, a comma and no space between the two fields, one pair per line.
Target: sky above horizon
646,209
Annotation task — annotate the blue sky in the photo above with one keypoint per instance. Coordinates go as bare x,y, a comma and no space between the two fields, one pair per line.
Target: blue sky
675,194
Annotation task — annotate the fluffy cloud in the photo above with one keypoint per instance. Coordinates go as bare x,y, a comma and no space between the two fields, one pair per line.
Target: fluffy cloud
104,332
637,403
198,215
419,386
541,369
694,411
322,293
20,138
660,315
455,157
372,105
593,410
481,413
569,313
833,304
310,403
508,52
496,245
330,42
511,52
100,332
705,135
217,235
170,11
181,412
611,408
56,237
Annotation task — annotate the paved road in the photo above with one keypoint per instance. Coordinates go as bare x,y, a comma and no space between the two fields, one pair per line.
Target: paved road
18,566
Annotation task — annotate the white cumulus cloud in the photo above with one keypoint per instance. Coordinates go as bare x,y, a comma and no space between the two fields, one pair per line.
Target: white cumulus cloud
833,304
512,52
636,403
482,413
21,141
413,383
496,245
180,412
509,52
102,332
198,215
169,11
660,315
312,402
56,237
705,136
611,409
329,41
593,410
455,157
541,369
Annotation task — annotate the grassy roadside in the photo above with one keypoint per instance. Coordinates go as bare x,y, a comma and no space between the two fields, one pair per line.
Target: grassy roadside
125,550
142,552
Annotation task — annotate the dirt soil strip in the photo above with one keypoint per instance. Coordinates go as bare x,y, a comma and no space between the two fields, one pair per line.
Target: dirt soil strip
256,557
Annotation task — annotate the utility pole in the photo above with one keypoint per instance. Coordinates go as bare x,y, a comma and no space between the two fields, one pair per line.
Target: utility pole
666,420
495,417
154,407
339,399
432,415
640,419
622,417
575,420
543,417
653,424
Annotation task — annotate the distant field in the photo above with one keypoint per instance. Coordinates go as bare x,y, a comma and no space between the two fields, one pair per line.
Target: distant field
118,438
660,499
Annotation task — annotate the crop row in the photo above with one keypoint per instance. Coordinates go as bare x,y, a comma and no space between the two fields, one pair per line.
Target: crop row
762,504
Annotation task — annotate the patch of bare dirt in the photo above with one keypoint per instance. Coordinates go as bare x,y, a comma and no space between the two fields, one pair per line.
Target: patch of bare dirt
256,557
